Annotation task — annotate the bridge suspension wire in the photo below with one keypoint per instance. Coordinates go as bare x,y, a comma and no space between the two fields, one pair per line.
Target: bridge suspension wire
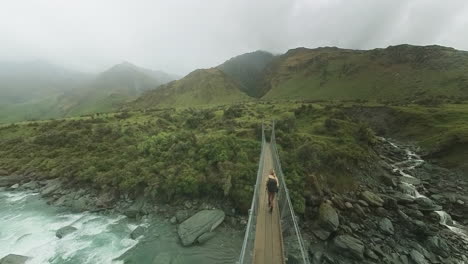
246,256
293,245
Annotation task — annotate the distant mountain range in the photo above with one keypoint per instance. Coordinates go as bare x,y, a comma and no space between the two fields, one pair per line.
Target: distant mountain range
39,90
402,73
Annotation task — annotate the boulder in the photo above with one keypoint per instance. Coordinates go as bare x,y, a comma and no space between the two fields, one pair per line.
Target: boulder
350,246
372,198
51,187
349,205
173,220
386,226
359,211
438,246
199,224
80,204
389,181
65,231
13,259
328,217
417,257
32,185
7,181
14,186
205,237
403,198
321,234
182,215
426,204
137,232
135,209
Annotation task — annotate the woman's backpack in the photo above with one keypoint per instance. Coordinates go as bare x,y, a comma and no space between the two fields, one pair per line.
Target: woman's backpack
272,185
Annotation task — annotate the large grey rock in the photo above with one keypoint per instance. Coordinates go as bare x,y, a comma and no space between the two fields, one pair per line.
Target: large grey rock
139,231
136,208
51,187
417,257
372,198
205,237
80,203
182,215
65,231
386,226
13,259
322,234
349,245
7,181
438,246
426,204
32,185
199,224
328,217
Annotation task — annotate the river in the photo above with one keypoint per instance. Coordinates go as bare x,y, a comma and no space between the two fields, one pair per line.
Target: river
28,226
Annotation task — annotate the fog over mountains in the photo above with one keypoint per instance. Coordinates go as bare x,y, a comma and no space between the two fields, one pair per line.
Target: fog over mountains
37,89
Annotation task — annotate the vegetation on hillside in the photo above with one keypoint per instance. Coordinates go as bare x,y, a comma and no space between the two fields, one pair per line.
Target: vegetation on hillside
247,71
441,131
175,153
401,73
200,87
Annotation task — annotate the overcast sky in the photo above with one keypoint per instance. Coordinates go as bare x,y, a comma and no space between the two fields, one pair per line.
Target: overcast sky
179,36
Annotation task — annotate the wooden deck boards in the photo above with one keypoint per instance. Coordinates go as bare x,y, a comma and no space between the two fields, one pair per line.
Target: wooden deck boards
268,243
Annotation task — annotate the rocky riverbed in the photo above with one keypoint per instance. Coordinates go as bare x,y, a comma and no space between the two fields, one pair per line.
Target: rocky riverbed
417,214
134,230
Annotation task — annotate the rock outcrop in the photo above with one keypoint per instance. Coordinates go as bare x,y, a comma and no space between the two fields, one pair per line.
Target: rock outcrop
66,230
14,259
202,222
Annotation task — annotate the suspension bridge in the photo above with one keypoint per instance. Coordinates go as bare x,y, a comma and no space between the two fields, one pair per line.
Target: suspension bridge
272,238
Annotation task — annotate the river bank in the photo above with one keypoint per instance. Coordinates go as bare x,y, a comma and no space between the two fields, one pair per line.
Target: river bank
29,228
403,219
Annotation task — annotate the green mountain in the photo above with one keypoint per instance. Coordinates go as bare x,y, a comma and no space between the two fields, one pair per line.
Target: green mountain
247,70
200,87
396,73
118,85
402,73
39,90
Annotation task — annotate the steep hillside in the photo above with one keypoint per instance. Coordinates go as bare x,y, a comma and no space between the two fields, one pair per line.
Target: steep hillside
247,70
396,73
200,87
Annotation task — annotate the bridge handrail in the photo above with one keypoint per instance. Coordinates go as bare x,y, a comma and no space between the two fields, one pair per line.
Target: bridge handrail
287,210
249,239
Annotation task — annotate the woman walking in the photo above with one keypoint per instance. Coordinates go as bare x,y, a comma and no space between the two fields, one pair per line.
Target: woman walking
272,188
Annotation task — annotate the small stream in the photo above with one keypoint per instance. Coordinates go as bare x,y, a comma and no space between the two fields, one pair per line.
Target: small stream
404,168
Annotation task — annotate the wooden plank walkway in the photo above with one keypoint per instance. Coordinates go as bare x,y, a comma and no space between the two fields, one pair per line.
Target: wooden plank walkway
268,248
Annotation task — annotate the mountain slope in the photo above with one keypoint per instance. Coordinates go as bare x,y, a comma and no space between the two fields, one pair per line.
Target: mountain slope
247,70
22,82
200,87
401,72
38,90
118,85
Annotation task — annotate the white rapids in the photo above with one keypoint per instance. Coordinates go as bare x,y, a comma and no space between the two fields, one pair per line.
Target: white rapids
28,226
